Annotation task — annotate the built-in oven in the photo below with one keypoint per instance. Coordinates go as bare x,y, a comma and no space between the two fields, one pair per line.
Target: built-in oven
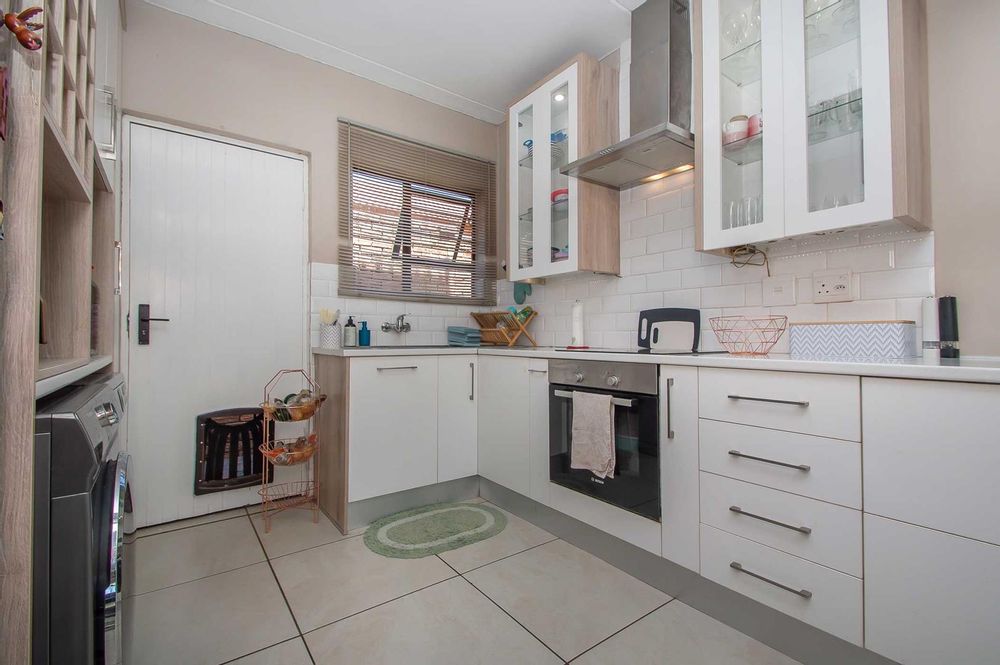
633,389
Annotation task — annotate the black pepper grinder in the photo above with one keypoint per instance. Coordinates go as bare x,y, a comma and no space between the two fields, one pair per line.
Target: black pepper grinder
948,321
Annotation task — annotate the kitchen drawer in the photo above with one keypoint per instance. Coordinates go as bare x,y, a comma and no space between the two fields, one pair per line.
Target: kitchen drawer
834,466
820,404
815,530
932,451
834,599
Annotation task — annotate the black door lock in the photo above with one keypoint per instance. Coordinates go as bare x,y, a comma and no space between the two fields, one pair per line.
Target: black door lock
144,320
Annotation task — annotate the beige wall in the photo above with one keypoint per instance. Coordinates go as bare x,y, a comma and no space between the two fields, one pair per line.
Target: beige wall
178,69
963,52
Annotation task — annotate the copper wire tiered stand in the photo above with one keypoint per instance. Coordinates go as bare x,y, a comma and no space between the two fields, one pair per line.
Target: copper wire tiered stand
503,328
300,451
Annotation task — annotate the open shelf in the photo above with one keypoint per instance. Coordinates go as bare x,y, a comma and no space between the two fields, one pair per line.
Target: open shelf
61,177
745,151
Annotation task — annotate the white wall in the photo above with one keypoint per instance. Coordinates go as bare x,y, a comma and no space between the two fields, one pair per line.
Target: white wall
660,268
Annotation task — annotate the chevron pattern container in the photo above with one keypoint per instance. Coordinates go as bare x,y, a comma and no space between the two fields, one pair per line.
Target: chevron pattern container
854,340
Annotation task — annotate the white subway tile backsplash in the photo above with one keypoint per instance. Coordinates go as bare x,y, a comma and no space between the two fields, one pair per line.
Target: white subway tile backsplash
703,276
633,210
665,242
747,274
634,247
723,296
915,252
754,294
646,226
682,298
647,263
681,258
864,258
678,219
862,310
641,301
900,283
664,281
798,264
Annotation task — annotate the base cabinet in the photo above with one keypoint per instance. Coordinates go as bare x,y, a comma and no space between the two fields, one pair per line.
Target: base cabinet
503,422
930,597
538,430
457,453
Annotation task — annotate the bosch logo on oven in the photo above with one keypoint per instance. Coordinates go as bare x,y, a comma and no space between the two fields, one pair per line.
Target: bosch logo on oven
597,480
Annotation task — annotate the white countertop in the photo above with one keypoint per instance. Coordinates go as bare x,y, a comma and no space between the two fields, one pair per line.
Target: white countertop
975,370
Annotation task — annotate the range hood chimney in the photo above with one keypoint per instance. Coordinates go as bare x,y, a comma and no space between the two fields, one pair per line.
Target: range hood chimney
660,103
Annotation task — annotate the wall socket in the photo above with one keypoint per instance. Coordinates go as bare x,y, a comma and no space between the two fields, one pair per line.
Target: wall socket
832,286
778,291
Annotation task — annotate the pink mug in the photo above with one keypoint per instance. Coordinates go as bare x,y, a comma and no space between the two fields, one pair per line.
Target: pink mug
755,124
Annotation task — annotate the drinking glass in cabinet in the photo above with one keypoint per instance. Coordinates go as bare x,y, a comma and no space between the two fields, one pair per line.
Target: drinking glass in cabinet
525,184
835,119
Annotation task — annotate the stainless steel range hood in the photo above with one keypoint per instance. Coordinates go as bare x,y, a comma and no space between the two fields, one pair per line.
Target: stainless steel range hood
659,106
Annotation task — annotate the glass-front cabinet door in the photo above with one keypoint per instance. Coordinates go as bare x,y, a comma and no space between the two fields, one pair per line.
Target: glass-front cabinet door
742,122
838,157
543,201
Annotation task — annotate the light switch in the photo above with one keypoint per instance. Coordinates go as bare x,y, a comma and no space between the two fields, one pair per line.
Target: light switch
779,291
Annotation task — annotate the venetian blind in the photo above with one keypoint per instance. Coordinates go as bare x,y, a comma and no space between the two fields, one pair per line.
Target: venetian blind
415,222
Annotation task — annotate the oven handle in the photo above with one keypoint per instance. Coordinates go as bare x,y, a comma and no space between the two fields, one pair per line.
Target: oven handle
617,401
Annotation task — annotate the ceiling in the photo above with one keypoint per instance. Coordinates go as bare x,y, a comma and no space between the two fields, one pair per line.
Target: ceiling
474,56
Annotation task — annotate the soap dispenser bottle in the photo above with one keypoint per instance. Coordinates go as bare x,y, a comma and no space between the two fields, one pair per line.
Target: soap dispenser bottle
350,333
364,335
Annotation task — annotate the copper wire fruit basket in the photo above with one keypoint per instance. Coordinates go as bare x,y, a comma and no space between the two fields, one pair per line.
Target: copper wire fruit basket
293,412
289,452
289,494
748,335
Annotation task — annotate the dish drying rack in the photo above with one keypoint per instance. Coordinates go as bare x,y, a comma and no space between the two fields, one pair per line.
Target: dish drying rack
301,451
503,328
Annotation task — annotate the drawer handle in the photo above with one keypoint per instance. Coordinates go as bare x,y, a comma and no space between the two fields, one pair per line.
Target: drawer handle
801,529
538,371
801,467
387,369
737,566
790,402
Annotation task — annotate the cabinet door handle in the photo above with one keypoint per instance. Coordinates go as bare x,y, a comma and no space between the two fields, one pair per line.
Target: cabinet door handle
472,384
118,282
538,371
737,566
790,402
386,369
801,529
804,468
670,429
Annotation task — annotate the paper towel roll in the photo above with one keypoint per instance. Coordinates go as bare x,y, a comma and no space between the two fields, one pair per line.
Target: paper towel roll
576,338
932,338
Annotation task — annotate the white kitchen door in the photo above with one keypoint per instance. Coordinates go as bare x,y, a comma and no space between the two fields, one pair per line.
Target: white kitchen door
215,237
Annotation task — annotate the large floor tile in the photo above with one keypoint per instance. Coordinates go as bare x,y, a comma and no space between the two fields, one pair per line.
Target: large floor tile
209,621
293,530
193,521
568,598
189,554
680,635
292,652
447,624
330,582
518,536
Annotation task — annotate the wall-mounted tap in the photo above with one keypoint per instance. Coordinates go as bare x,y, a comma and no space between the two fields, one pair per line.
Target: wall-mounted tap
400,326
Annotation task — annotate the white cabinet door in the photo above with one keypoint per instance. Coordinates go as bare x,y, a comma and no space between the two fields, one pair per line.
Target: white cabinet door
503,422
457,416
743,178
930,597
538,429
838,145
392,426
679,465
543,136
931,454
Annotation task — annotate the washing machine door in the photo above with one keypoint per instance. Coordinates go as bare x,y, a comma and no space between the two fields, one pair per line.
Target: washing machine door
110,523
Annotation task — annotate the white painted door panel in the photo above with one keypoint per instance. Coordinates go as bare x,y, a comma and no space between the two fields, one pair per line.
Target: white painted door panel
679,465
538,429
930,597
392,426
216,242
932,450
503,422
457,416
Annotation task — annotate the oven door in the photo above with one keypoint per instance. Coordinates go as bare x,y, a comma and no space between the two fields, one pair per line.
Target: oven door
636,483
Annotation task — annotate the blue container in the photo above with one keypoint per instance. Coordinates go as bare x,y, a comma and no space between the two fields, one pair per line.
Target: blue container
364,335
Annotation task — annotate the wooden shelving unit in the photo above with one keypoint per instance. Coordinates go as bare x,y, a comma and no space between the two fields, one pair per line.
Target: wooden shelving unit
77,266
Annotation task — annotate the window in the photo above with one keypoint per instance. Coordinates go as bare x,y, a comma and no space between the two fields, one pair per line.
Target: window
416,223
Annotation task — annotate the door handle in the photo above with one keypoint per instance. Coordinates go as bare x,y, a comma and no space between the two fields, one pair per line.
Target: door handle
144,319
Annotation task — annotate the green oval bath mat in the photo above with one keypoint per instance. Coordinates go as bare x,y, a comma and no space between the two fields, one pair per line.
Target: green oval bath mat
420,532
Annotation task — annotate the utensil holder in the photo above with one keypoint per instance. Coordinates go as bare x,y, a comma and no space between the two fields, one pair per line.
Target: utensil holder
330,336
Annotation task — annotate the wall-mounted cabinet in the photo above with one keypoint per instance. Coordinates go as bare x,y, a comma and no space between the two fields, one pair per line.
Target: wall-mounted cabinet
559,224
813,117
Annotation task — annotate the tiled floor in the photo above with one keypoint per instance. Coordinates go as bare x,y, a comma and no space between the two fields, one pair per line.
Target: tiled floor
218,590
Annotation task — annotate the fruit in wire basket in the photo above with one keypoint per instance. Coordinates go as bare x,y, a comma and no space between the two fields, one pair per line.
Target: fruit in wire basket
295,406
